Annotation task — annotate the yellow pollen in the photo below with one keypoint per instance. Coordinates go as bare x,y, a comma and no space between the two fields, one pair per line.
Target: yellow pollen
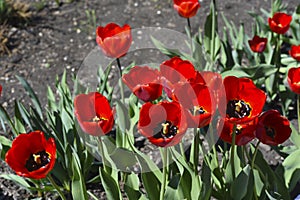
97,119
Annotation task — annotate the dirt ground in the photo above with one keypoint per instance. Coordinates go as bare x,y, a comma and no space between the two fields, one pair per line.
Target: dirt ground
58,38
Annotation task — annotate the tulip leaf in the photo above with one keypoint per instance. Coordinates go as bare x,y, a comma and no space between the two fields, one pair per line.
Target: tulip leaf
123,158
110,185
167,51
295,136
5,117
78,185
291,167
131,187
4,141
236,191
172,190
151,184
17,179
123,117
32,95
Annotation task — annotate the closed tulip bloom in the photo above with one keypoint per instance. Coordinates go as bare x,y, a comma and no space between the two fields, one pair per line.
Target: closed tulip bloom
114,40
293,79
295,52
258,44
186,8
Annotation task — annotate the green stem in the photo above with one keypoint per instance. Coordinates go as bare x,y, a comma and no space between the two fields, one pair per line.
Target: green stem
232,152
101,148
120,81
62,196
254,154
165,172
298,111
189,25
196,149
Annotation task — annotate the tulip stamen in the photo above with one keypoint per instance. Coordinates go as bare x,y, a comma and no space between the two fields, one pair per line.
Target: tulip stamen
98,119
238,109
37,160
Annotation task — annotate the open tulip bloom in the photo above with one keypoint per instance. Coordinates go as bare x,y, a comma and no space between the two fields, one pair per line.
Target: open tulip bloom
293,79
164,124
94,114
31,155
280,22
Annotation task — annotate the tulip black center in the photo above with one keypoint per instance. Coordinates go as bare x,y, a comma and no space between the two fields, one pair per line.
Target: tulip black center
238,109
37,160
165,130
270,131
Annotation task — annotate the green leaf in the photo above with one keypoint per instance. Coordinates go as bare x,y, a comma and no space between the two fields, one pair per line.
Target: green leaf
4,141
123,117
167,51
110,185
32,95
236,191
172,192
79,191
151,184
17,179
295,136
131,186
5,117
290,166
123,158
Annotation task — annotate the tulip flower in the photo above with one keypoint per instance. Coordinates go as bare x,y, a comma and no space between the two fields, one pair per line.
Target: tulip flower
293,79
164,124
144,82
295,52
244,100
94,113
114,40
280,22
186,8
31,155
258,44
273,128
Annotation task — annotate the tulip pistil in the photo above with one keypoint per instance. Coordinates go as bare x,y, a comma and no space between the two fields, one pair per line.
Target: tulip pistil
166,130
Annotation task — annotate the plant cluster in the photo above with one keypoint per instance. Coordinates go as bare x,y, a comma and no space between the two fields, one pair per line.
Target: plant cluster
230,87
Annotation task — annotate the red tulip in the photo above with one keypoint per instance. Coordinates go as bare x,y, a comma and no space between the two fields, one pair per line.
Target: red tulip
0,89
272,128
31,155
94,113
293,79
244,100
164,124
198,102
295,52
186,8
144,82
244,132
258,44
280,23
176,71
114,40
